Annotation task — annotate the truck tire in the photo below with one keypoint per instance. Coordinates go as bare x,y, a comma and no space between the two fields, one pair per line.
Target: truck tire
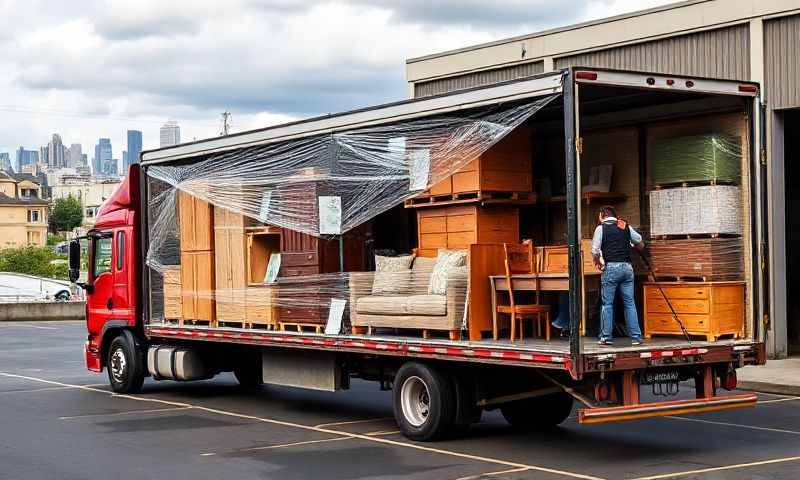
125,364
424,402
248,375
538,413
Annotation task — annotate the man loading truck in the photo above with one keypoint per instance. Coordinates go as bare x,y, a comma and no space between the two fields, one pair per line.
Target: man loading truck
611,249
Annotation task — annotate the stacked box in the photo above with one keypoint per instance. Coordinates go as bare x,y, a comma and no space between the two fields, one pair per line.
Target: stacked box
698,158
711,259
712,209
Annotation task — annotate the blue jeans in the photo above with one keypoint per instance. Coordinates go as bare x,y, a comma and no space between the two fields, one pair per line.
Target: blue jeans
562,320
618,275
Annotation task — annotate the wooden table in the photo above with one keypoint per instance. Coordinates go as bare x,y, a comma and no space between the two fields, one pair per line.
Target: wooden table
548,282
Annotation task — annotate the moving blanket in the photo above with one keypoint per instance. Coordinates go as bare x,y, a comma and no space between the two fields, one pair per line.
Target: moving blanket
697,158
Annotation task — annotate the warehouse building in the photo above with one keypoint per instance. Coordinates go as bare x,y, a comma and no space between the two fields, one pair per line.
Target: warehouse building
756,40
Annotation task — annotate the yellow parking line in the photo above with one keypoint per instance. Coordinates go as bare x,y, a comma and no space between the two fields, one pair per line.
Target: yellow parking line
492,474
353,422
778,400
727,424
34,390
283,423
129,412
718,469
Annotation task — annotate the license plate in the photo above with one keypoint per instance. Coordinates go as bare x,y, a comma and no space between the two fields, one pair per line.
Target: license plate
652,377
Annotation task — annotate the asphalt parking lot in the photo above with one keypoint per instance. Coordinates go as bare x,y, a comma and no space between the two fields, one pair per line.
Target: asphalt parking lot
59,421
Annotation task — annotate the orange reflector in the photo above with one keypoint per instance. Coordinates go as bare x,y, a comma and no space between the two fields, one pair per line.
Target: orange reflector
660,409
583,75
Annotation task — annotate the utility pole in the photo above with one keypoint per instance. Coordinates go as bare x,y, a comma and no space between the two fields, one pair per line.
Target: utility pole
226,122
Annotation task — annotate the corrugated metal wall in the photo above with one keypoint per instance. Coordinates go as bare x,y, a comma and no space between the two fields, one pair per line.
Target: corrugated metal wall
477,79
721,53
782,62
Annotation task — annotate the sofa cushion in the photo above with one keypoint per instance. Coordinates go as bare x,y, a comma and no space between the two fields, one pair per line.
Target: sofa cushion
446,260
392,275
429,305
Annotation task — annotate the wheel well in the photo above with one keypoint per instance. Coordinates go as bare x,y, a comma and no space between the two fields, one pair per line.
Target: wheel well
108,336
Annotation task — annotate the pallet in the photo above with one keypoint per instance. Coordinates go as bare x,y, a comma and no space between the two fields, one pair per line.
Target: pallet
247,325
203,323
695,236
481,197
695,278
411,332
301,327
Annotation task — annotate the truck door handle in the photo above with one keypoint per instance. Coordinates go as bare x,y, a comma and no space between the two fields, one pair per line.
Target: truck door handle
110,303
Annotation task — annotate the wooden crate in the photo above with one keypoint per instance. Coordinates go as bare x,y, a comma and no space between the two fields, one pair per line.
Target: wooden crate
710,259
505,167
195,223
172,292
709,309
458,227
197,286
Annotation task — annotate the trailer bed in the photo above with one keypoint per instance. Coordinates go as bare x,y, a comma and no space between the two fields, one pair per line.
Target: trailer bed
533,352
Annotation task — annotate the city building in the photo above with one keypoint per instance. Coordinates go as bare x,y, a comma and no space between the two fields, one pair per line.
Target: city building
75,155
26,157
56,152
170,134
90,191
731,39
5,162
23,213
135,147
103,155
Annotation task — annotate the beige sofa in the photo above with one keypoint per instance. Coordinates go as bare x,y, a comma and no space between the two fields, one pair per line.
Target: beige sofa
415,310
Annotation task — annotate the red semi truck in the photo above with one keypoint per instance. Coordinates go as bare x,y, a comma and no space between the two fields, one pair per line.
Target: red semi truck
441,383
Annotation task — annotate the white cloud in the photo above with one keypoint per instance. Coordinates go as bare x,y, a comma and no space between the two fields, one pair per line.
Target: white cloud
107,66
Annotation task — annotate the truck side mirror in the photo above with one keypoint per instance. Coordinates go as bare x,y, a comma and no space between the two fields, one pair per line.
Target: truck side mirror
74,260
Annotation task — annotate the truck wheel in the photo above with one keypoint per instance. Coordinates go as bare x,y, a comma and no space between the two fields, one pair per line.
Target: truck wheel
249,375
424,402
125,364
538,413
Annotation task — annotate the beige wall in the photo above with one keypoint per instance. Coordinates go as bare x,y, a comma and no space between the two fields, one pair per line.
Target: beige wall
15,228
8,187
91,195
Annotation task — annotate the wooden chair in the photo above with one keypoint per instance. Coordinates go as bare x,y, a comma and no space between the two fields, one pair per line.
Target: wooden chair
522,259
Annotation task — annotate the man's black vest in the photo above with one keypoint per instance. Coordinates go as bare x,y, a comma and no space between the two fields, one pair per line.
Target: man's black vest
616,246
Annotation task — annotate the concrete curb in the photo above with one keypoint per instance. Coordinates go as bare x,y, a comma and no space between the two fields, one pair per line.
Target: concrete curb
42,311
765,387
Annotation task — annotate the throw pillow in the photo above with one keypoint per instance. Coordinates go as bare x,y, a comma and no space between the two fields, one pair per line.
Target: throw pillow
445,261
388,277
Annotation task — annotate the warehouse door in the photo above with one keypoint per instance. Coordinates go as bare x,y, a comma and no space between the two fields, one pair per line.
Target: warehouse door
791,135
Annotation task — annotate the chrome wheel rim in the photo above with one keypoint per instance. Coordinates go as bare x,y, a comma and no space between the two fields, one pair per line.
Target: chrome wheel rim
118,365
415,401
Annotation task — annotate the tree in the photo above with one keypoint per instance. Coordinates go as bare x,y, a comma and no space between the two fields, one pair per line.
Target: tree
66,214
32,260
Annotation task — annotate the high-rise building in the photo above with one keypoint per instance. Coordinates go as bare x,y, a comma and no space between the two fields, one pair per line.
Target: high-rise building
5,162
135,147
56,152
103,156
125,161
170,134
75,156
26,157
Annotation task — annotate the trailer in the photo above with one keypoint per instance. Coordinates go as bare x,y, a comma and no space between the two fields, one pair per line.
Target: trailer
195,268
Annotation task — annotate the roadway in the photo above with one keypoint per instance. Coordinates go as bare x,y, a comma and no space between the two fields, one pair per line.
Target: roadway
59,421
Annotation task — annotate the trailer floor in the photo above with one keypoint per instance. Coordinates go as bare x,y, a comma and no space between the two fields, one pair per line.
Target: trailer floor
60,421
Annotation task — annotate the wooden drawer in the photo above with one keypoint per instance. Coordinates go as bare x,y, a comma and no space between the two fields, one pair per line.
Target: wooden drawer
298,271
499,180
300,259
461,223
261,308
299,314
427,252
460,240
665,323
433,224
680,305
676,292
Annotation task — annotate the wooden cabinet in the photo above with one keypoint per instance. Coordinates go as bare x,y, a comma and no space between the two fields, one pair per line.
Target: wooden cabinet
196,232
171,277
229,265
458,227
197,286
505,167
709,309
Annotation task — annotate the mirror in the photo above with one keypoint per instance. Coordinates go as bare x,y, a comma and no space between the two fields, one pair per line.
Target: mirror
74,260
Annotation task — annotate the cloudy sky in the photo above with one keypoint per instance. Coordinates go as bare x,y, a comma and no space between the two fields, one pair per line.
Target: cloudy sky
93,68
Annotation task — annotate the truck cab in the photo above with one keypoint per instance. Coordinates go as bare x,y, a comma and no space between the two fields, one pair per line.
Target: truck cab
111,279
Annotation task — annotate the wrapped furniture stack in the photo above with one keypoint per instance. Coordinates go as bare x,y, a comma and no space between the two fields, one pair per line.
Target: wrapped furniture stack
695,226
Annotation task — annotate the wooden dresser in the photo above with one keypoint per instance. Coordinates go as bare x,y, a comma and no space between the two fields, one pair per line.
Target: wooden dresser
710,309
196,225
506,167
459,226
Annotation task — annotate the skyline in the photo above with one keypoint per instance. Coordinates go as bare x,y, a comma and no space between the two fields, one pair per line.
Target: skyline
105,68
